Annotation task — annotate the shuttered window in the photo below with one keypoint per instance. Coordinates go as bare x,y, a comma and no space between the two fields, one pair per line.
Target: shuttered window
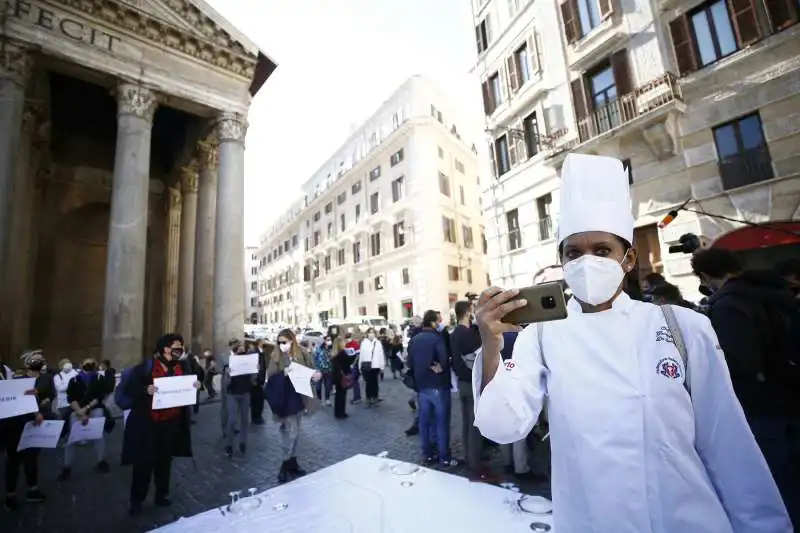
581,109
782,13
685,52
745,21
569,17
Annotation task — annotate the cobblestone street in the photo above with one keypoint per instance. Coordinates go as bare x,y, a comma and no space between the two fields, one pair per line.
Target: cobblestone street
92,501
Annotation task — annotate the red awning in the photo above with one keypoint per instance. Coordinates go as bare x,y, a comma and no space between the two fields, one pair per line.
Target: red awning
762,236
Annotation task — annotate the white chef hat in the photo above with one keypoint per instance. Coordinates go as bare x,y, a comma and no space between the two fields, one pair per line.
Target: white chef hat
595,196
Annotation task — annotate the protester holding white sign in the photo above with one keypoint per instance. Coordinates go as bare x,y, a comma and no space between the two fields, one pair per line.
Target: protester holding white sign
44,435
243,364
36,386
157,427
14,397
90,429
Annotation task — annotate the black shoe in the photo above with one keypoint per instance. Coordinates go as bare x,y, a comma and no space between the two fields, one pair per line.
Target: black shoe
103,467
413,430
162,501
259,421
35,496
229,451
294,468
342,416
65,474
283,475
11,503
135,509
242,448
428,461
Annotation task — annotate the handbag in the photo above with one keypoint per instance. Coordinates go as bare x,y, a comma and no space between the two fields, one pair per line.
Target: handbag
366,366
347,381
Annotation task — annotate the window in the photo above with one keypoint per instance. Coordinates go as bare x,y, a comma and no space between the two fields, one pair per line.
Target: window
441,153
362,310
315,270
329,208
341,198
530,125
782,13
449,229
316,216
356,252
398,189
375,173
502,163
514,234
603,91
405,276
453,273
396,157
286,245
482,35
743,153
340,257
444,184
361,287
461,194
580,17
543,204
469,276
355,188
466,234
342,220
330,229
253,285
459,166
484,242
598,93
358,212
374,203
294,241
317,237
522,65
327,262
492,93
306,244
399,232
378,282
375,244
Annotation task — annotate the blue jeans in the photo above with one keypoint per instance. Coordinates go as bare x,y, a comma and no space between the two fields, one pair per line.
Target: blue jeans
327,381
434,422
354,373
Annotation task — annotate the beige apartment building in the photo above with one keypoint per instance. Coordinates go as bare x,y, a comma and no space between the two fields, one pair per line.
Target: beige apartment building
701,99
390,225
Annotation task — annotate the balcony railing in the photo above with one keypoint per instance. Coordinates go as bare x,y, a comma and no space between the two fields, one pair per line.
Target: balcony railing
642,100
746,167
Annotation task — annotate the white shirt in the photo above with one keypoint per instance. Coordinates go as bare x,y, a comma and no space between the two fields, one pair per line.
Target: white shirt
61,382
372,352
632,451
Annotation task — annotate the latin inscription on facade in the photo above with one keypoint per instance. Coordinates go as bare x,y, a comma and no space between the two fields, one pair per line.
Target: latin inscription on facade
62,24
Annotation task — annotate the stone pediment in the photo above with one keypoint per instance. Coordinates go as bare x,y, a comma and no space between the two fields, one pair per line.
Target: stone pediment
182,25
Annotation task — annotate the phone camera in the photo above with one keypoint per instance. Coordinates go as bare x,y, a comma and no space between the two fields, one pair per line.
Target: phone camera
548,302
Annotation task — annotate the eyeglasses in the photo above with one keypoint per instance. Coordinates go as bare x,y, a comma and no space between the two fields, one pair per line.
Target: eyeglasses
283,342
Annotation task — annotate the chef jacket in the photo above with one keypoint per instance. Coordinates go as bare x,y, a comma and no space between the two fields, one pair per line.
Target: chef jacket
634,449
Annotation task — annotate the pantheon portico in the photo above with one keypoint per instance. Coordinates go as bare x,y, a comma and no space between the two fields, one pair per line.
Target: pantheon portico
122,127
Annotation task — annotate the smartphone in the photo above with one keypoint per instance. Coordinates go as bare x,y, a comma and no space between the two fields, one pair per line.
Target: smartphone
546,302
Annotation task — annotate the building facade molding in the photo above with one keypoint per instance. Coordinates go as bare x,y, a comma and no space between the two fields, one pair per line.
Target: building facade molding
231,128
135,99
16,62
189,178
207,155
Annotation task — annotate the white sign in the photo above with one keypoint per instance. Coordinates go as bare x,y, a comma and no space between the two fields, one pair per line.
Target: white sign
92,430
45,435
243,364
174,391
14,401
300,376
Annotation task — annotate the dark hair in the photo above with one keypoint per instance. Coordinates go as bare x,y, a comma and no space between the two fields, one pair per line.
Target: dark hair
789,267
382,331
286,334
654,278
715,263
429,317
166,340
668,291
461,308
630,284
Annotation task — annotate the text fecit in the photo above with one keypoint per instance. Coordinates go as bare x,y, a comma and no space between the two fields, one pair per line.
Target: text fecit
62,23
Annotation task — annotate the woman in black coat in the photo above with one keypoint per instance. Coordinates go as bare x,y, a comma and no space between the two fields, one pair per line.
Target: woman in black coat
153,437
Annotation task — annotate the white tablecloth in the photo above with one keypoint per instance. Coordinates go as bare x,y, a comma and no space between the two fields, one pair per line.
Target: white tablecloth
363,495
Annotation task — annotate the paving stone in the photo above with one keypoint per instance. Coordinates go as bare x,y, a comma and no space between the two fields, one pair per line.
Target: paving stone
92,502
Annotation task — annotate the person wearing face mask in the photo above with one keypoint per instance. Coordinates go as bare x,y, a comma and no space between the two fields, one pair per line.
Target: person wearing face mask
264,350
61,382
322,363
11,431
237,397
154,436
633,390
85,394
371,361
287,405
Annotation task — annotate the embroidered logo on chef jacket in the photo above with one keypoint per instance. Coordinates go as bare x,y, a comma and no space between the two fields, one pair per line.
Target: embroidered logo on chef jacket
669,368
664,334
510,365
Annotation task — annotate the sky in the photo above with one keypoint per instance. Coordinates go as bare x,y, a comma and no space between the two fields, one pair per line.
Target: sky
338,61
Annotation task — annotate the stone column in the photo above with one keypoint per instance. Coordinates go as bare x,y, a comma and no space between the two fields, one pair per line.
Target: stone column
203,308
229,241
174,214
186,268
15,70
123,313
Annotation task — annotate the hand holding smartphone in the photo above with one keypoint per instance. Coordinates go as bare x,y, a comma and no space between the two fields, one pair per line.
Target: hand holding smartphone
546,302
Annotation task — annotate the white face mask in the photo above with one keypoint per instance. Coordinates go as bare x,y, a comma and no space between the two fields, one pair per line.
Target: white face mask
594,280
285,347
371,336
67,368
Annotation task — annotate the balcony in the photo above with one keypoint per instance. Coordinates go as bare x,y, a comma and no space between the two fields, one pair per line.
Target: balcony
745,168
650,110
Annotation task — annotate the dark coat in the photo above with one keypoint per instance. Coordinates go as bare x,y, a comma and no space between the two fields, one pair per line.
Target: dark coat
138,442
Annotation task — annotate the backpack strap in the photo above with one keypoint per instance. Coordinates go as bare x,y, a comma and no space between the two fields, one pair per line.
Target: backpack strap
677,337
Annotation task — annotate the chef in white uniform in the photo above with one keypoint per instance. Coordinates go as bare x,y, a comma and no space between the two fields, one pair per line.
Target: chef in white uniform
640,443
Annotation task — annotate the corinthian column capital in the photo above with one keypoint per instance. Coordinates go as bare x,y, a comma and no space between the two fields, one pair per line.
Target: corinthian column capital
189,178
16,62
207,155
231,128
134,99
174,199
